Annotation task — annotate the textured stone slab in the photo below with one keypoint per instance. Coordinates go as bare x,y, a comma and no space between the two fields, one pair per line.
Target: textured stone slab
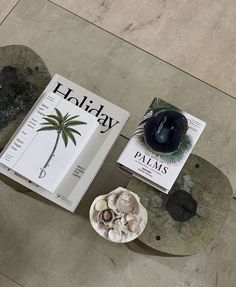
23,76
212,192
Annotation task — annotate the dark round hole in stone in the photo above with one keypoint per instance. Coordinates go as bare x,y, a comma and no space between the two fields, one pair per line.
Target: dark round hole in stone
158,238
197,165
181,206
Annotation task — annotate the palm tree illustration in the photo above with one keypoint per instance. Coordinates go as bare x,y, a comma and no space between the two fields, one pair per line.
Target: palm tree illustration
63,126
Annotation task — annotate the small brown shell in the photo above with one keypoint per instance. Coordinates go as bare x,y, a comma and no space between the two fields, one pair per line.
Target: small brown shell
106,216
126,203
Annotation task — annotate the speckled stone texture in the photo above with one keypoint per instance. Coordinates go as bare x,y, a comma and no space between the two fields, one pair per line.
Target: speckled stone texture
23,76
212,192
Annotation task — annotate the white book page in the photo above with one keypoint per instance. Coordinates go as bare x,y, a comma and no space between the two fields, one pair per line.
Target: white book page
43,156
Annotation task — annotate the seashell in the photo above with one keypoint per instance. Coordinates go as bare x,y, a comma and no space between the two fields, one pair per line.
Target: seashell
164,131
129,217
106,216
111,201
126,203
104,226
114,236
115,221
123,220
119,227
101,205
133,225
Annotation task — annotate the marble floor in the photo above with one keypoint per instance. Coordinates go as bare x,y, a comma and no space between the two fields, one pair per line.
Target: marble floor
6,7
43,245
197,36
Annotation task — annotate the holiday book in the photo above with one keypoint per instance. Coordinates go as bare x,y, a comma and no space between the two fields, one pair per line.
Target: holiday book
49,141
161,144
85,142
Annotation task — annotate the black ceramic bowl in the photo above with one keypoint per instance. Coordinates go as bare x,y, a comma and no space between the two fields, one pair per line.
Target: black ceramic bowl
164,131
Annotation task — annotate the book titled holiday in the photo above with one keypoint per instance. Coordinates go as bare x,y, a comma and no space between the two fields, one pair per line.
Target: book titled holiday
49,141
161,144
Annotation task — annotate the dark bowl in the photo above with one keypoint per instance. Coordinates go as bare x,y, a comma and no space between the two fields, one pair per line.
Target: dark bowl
164,131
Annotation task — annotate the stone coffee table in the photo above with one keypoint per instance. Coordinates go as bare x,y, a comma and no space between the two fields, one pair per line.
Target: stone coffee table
175,225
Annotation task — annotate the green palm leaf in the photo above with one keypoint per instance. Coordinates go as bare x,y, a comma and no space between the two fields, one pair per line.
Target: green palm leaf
74,123
48,124
65,138
71,118
70,135
73,131
59,114
55,117
52,122
49,128
66,116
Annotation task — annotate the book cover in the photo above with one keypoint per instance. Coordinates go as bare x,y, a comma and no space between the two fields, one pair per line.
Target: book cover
49,141
161,145
111,119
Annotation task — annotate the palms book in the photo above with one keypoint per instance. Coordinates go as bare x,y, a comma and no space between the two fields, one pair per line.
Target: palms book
49,141
69,143
161,144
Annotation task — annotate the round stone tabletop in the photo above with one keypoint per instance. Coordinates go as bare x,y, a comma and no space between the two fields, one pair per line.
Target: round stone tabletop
211,190
23,77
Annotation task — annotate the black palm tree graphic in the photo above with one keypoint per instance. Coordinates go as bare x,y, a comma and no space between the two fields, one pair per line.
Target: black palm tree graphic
63,126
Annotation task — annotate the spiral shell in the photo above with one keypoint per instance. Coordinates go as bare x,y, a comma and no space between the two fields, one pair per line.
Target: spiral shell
126,203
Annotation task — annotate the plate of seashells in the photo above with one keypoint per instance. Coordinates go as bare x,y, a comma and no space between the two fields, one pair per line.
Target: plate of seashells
118,216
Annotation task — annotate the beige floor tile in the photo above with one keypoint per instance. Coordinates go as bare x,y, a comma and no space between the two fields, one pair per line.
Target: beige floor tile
5,282
5,7
123,74
196,36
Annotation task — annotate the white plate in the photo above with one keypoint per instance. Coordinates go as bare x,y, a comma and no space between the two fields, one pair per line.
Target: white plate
131,235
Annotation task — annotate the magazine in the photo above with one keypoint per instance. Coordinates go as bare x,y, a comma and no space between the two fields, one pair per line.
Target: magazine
49,141
161,144
84,168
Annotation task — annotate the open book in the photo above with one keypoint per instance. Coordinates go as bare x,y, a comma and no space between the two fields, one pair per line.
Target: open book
79,171
161,144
